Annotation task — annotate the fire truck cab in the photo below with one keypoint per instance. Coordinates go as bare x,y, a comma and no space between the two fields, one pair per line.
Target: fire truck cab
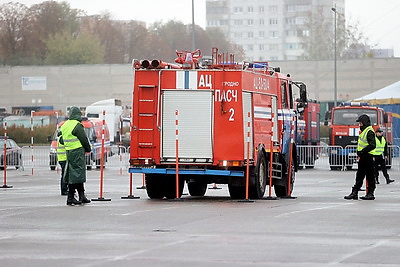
213,121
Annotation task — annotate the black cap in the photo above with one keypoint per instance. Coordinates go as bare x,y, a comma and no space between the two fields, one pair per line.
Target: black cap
363,118
379,130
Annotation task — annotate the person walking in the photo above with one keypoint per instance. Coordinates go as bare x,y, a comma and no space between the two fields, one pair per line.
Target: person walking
62,160
365,145
380,156
76,144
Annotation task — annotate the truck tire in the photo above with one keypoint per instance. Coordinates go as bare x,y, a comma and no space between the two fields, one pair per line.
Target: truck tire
154,186
259,177
197,189
170,186
281,188
237,192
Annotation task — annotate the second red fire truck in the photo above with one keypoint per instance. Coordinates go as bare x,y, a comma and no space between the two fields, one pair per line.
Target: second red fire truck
213,121
344,131
308,135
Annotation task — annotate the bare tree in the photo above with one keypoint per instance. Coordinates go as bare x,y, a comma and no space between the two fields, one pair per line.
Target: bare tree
109,33
317,36
13,41
52,32
48,18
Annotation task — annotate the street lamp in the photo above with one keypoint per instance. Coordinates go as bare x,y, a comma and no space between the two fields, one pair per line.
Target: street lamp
335,68
193,29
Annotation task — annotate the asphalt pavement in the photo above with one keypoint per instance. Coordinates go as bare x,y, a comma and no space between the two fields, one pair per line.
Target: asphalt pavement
318,228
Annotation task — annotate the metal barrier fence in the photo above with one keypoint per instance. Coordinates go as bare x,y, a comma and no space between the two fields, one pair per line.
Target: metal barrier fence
43,156
338,158
321,157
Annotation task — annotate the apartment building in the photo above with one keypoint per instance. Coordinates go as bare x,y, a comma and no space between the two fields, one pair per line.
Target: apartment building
270,29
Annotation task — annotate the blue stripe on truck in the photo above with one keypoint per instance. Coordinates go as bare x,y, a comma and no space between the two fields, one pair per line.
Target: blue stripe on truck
186,171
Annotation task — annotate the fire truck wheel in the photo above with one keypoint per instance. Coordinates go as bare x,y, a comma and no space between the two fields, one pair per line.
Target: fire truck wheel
281,189
170,186
259,177
237,192
197,189
154,186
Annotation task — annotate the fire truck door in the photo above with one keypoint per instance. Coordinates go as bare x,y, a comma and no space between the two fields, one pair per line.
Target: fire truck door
247,110
275,112
195,113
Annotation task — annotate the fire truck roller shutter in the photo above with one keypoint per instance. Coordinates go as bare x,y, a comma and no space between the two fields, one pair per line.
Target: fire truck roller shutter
195,125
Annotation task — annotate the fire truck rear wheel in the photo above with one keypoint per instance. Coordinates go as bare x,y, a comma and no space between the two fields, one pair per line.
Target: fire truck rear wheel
237,192
154,186
197,189
170,186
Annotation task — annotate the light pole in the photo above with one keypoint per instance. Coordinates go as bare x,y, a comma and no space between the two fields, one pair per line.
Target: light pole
193,29
335,64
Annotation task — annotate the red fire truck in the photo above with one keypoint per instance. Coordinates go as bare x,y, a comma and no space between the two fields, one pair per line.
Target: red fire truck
344,131
198,117
308,134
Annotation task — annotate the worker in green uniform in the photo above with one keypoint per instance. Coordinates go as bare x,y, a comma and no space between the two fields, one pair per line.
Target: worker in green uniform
76,145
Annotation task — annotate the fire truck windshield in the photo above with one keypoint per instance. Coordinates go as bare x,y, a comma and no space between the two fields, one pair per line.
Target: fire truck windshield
348,116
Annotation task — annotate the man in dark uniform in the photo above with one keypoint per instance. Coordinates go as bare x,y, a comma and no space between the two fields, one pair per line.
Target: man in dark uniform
365,146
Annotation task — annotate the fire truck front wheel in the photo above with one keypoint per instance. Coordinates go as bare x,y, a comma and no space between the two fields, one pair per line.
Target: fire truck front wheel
259,177
281,187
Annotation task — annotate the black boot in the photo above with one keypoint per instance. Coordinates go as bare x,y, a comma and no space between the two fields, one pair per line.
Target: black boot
81,192
71,200
376,181
368,196
82,197
388,180
353,194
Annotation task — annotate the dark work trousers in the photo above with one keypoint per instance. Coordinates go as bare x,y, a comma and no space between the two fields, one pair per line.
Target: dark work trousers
63,183
380,161
366,169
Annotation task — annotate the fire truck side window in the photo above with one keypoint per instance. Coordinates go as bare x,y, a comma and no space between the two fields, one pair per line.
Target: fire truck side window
291,96
284,95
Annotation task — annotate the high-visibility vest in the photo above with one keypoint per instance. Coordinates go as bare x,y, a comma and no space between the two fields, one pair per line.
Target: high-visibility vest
70,141
61,152
380,146
362,139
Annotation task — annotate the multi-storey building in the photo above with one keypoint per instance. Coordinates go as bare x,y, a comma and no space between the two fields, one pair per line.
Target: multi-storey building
270,29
